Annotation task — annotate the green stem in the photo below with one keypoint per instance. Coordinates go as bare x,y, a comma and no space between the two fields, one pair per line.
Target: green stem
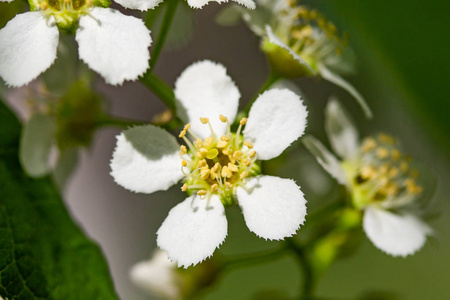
160,89
307,269
165,27
271,79
254,258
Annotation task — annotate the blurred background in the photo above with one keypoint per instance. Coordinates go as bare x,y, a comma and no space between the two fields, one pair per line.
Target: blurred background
403,70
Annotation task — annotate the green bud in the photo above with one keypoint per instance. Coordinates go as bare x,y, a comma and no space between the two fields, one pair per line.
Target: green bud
283,63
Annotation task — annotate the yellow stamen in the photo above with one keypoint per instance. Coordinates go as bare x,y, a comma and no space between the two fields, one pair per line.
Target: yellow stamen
243,175
248,144
222,144
252,154
184,188
44,5
208,142
223,118
183,150
202,163
382,153
182,133
369,144
205,172
225,138
243,121
237,155
233,167
214,188
183,163
204,120
198,143
201,193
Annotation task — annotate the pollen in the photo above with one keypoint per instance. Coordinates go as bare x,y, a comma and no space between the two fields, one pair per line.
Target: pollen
43,5
184,163
184,188
183,150
204,120
248,144
243,121
201,192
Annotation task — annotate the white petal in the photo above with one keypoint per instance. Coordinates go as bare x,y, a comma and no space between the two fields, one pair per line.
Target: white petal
273,207
205,90
397,235
114,45
327,160
193,230
6,1
275,40
201,3
247,3
146,160
339,81
276,119
139,4
27,47
343,135
158,276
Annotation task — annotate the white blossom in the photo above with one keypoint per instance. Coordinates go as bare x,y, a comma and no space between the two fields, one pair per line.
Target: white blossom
112,44
381,181
220,168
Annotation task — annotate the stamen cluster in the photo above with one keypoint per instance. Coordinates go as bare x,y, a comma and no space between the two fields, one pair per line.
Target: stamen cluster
66,12
217,165
383,173
310,34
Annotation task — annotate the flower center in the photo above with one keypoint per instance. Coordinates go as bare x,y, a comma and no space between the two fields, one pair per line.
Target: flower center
66,12
217,165
383,174
310,34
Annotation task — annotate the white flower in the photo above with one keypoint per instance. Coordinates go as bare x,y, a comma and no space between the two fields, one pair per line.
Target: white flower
159,277
220,167
301,42
110,43
380,180
150,4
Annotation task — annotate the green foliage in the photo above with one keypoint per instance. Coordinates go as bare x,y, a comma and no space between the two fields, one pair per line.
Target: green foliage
43,254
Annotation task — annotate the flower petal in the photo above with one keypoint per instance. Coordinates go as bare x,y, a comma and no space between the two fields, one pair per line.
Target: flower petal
158,276
343,135
146,160
114,45
250,4
395,234
139,4
327,160
27,47
193,230
276,119
205,90
334,78
200,3
273,207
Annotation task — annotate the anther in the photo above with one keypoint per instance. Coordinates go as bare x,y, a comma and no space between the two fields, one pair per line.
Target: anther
226,172
208,142
369,144
243,175
246,162
205,172
396,154
223,118
222,144
184,188
225,138
393,172
248,144
202,163
182,133
187,126
243,121
367,172
204,120
198,143
183,163
44,5
404,167
382,153
252,154
233,167
201,193
237,155
228,185
183,150
214,187
386,139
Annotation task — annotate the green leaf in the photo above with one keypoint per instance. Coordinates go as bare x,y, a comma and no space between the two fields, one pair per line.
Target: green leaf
36,141
67,162
43,254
